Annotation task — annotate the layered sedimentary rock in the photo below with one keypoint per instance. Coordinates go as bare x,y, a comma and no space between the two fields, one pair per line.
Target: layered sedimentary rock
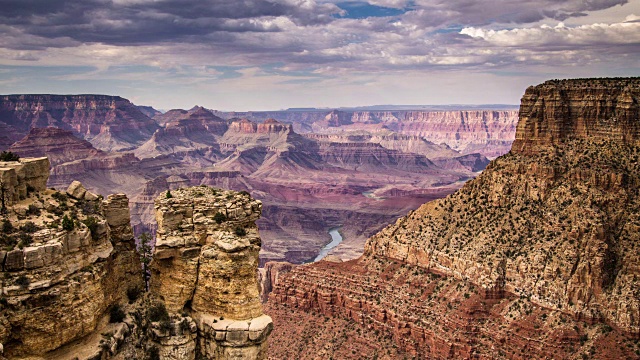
205,264
195,129
108,122
18,178
66,259
537,257
489,132
587,109
58,145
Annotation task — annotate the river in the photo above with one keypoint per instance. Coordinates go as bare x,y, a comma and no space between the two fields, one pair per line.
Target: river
336,239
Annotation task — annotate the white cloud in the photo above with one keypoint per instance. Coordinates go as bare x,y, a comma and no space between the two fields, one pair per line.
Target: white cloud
560,35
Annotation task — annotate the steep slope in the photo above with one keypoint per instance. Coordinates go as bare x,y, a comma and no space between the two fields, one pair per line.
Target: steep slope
537,257
108,122
58,145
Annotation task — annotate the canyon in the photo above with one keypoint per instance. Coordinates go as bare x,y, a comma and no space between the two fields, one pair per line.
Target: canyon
314,170
537,257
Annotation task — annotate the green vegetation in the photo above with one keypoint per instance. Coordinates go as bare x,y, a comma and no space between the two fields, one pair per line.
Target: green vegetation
29,227
9,156
157,312
144,250
240,231
23,281
92,223
133,293
168,195
67,223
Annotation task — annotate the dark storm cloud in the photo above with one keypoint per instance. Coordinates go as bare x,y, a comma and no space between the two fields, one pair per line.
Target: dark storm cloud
144,22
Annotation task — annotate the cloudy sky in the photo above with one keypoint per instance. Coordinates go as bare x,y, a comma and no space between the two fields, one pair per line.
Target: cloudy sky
274,54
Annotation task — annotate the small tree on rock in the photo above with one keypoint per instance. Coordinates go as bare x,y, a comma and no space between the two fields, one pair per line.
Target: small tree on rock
144,249
9,156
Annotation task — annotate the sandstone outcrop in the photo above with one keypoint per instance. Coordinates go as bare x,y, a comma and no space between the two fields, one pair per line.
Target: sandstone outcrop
587,109
205,265
537,257
18,178
65,262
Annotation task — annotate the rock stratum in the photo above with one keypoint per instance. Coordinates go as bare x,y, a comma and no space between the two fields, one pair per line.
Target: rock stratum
538,257
65,257
205,265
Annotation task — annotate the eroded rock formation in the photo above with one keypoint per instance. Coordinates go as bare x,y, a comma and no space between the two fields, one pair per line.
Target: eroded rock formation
66,258
537,257
205,265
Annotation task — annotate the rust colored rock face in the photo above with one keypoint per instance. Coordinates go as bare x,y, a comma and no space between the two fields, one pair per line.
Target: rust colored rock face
591,109
537,257
205,263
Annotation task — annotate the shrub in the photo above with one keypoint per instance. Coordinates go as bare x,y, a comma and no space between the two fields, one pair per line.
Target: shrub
67,224
33,210
92,224
25,239
60,197
6,227
240,231
246,193
133,293
29,227
219,217
88,207
9,156
116,314
23,281
165,325
157,312
169,196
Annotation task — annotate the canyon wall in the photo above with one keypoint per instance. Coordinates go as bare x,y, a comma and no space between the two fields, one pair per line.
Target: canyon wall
108,122
205,265
489,132
535,258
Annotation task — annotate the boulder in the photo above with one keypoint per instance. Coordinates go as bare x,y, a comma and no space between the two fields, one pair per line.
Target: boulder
76,190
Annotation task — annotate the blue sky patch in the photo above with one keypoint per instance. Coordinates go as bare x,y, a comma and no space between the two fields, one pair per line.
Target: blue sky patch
363,10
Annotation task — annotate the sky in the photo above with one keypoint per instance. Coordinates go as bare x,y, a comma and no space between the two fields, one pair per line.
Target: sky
276,54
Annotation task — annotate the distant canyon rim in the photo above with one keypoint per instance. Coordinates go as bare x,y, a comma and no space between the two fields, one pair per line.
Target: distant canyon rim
313,169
